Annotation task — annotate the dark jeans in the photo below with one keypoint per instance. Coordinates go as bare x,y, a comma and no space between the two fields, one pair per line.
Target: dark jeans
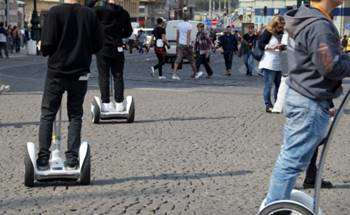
114,66
228,56
204,59
3,46
51,102
161,62
311,171
249,62
271,77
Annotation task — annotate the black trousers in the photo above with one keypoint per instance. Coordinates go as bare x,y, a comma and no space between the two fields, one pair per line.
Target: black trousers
161,62
228,56
3,46
203,59
51,102
311,171
114,66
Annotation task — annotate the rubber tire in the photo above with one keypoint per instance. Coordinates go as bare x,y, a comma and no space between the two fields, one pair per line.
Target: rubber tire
85,174
28,171
131,116
286,206
95,115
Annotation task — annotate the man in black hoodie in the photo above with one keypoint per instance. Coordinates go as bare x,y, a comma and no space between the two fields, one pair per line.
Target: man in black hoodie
71,34
116,25
317,65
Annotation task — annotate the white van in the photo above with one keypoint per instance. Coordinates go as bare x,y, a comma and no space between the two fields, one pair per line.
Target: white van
171,28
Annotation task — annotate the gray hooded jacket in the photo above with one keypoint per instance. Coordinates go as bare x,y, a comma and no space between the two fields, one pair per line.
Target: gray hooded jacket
309,75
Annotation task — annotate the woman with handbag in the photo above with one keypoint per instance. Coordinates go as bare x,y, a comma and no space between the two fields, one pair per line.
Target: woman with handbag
159,36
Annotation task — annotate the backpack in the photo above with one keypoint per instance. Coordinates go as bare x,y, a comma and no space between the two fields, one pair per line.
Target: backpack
258,50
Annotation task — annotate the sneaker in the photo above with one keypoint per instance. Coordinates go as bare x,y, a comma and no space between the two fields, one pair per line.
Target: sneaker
198,75
176,77
42,164
152,71
311,184
268,109
120,107
162,78
4,88
71,163
107,107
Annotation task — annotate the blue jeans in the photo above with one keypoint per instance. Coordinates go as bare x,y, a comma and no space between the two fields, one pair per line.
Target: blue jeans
249,62
305,128
271,77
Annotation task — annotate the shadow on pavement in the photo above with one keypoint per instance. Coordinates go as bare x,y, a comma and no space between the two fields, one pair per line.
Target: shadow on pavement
171,119
21,124
171,177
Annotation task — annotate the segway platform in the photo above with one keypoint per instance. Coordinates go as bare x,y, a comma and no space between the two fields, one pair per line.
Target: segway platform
128,114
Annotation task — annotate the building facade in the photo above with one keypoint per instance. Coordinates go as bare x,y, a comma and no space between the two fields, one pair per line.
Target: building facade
9,13
260,12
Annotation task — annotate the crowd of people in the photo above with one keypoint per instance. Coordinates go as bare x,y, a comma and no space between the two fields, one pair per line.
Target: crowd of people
12,38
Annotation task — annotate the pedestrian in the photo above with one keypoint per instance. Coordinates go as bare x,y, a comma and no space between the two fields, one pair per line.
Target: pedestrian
116,23
344,42
3,40
16,39
71,34
317,65
270,64
202,47
141,39
228,44
159,36
248,42
9,39
132,42
184,47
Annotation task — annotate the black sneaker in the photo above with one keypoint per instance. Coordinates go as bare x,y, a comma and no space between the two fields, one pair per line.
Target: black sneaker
311,184
42,164
71,163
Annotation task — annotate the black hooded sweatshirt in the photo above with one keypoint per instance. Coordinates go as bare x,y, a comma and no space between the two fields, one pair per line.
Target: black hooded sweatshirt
116,26
71,34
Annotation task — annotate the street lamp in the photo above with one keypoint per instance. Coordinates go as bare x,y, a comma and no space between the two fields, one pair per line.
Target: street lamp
35,31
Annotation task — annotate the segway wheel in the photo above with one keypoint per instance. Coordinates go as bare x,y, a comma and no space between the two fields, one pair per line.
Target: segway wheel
285,208
95,113
85,174
131,116
28,171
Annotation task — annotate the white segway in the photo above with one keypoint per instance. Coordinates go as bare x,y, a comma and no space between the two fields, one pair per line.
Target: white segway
57,170
97,115
301,203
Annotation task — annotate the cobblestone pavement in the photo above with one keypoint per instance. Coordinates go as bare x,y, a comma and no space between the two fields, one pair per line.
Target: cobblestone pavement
196,147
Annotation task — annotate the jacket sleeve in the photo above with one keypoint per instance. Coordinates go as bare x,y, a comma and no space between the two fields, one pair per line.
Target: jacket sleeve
97,32
49,37
127,28
221,41
264,39
326,52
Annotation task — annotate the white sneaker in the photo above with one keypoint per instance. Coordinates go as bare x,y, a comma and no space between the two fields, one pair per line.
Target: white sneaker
119,107
198,75
162,78
107,107
4,88
175,77
152,71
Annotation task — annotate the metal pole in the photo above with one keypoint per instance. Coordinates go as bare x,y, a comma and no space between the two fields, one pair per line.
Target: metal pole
35,24
7,12
210,8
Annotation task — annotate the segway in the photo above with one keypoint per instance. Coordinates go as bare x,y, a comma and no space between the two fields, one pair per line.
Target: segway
57,171
300,202
97,115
